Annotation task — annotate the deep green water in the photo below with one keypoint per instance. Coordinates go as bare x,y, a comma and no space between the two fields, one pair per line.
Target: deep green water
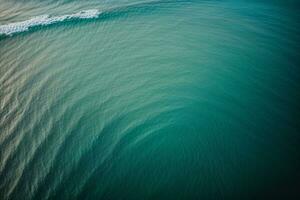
151,100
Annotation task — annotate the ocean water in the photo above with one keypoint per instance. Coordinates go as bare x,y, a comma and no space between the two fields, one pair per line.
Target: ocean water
149,99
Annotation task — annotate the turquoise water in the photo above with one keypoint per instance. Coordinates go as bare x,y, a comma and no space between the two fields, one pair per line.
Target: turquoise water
150,99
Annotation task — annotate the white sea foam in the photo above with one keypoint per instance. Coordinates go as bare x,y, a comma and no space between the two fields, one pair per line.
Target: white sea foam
44,20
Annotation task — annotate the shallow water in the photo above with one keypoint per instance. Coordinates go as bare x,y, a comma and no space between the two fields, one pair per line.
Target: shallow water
150,100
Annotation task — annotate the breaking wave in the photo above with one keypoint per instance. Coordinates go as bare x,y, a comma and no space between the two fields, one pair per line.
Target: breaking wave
44,20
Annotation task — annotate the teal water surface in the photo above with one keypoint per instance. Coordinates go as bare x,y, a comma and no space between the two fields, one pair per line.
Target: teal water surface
150,100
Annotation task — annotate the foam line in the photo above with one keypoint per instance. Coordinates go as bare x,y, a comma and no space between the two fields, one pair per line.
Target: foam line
44,20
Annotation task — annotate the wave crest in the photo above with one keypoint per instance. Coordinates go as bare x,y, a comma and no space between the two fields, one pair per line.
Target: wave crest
43,20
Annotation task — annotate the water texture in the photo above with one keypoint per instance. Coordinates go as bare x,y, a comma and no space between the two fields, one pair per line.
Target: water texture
174,99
